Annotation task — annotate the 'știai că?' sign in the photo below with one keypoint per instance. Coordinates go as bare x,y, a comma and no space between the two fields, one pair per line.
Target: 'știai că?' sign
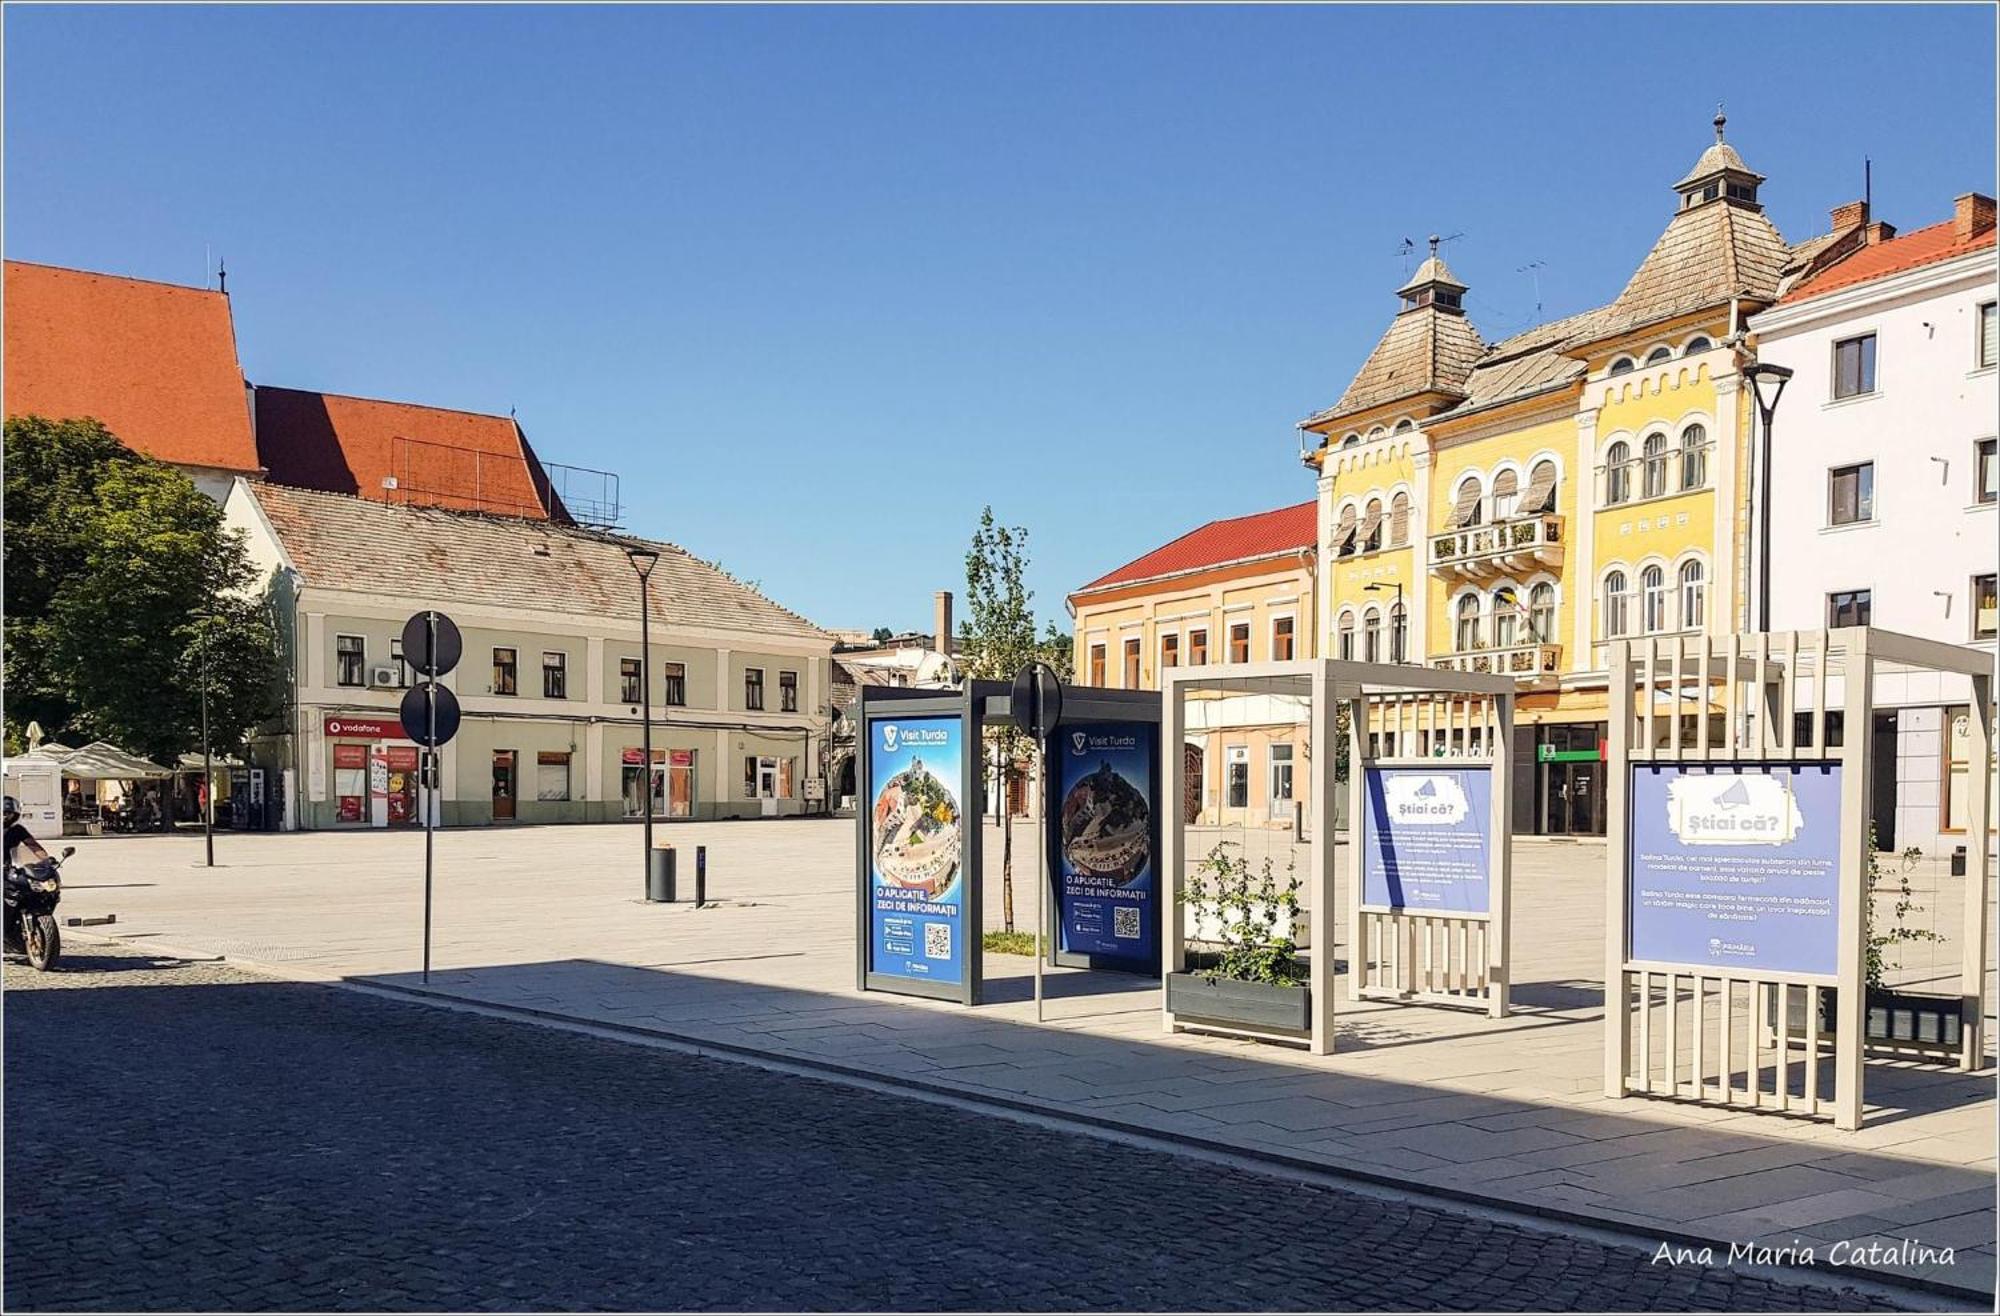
1425,843
1736,866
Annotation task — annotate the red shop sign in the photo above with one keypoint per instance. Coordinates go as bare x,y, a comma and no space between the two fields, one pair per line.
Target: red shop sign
364,728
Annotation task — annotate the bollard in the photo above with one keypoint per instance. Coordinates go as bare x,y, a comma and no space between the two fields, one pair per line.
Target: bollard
660,875
700,875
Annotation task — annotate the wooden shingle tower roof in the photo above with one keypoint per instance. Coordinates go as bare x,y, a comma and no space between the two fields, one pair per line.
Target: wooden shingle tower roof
1428,349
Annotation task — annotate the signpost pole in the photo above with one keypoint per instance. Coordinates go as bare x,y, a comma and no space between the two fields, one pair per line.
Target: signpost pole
1041,862
431,781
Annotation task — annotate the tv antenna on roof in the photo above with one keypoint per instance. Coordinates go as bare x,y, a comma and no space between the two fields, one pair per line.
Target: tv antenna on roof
1534,269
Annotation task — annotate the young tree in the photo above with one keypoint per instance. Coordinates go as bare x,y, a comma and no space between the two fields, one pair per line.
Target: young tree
996,639
118,573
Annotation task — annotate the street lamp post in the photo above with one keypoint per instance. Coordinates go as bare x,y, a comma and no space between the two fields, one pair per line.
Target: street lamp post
643,560
1397,644
1767,385
207,759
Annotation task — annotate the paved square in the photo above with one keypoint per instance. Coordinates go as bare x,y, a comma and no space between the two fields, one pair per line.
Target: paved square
549,920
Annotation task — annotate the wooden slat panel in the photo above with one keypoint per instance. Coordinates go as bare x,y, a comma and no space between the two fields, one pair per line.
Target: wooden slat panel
1673,1067
1732,725
1645,1030
1706,645
1787,688
1700,1075
1812,1050
1756,1046
1784,1036
1819,695
1761,700
1649,680
1674,732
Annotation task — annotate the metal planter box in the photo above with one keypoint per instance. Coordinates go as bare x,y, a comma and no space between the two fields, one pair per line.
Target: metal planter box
1226,1001
1892,1021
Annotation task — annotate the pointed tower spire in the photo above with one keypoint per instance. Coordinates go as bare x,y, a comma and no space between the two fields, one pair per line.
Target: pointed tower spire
1720,174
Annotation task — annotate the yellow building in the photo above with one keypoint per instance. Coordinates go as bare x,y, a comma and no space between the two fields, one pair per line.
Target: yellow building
1512,506
1239,590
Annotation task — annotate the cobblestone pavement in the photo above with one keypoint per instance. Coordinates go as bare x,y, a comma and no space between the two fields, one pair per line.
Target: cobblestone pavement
185,1136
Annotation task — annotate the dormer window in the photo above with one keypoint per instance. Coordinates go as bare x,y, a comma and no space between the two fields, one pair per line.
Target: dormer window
1622,366
1659,354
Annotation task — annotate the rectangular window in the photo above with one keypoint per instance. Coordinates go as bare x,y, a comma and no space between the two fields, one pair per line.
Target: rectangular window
628,681
401,663
1170,651
1983,608
1850,494
677,685
1097,664
753,689
788,692
1239,642
750,776
1281,774
1198,648
503,672
552,774
1989,336
1854,366
1985,472
351,660
1132,664
1847,608
1237,782
1281,639
555,676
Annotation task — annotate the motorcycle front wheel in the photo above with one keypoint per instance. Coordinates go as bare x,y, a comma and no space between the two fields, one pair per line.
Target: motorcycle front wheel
44,941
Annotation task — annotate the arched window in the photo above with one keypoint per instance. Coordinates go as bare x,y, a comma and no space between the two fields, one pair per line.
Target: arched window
1542,613
1467,636
1694,457
1506,489
1376,433
1541,495
1622,366
1371,635
1617,474
1399,520
1653,599
1465,510
1351,441
1659,354
1698,343
1617,606
1343,535
1506,617
1399,633
1371,524
1694,594
1405,425
1347,637
1654,480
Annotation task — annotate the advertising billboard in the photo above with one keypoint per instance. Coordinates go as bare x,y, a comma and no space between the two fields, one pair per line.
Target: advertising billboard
1736,866
1105,838
1426,846
917,918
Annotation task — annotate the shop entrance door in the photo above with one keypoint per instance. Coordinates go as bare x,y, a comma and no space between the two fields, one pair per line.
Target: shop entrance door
505,781
680,784
1572,780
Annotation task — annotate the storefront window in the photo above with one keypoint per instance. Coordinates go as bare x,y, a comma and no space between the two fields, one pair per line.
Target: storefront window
350,783
1281,773
551,775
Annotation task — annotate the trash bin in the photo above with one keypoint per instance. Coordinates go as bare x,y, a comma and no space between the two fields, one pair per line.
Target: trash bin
660,874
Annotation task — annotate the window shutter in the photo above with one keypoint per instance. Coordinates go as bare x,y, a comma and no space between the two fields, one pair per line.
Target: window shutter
1541,495
1467,506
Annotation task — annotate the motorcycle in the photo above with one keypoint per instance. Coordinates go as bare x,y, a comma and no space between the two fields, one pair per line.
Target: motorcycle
32,892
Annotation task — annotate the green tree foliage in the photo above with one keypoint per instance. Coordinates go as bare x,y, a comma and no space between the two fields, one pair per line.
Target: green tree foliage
118,572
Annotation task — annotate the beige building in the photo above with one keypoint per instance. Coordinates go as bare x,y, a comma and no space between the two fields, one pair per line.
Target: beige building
1234,591
551,679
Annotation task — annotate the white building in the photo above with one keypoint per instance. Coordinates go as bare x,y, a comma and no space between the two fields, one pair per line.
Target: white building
1884,482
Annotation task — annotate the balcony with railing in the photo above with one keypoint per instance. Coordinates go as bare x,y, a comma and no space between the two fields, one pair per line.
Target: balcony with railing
1512,545
1514,660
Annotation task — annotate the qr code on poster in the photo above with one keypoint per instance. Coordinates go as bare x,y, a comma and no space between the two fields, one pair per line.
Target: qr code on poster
937,941
1125,921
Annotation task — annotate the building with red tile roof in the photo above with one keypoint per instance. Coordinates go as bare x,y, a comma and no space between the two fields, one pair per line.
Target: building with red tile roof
401,452
155,363
1885,252
1236,540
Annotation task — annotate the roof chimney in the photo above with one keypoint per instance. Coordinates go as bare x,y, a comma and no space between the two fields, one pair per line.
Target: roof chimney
1878,232
1971,215
1848,216
941,619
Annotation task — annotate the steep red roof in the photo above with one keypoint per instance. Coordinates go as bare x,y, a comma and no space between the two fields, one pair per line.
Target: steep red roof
435,458
1261,534
155,362
1925,246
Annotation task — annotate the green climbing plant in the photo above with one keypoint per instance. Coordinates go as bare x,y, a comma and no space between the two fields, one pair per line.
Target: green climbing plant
1255,914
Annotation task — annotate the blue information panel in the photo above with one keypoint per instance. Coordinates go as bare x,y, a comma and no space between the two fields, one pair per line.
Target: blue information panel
1736,866
1426,846
916,912
1106,889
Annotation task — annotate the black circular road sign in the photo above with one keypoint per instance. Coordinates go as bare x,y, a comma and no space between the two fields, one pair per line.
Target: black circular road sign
1036,699
417,643
417,714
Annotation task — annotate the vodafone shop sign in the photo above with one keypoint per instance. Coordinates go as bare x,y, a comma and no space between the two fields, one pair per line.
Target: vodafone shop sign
363,728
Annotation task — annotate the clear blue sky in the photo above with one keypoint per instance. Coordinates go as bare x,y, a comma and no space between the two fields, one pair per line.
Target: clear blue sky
821,282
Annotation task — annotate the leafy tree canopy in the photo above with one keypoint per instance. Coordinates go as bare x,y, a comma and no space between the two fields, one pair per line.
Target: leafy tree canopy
118,573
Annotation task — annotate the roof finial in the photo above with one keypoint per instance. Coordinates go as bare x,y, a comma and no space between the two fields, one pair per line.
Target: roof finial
222,277
1720,119
1435,239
